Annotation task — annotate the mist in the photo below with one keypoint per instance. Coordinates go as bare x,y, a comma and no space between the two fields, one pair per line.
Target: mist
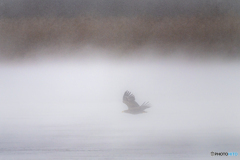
71,107
65,65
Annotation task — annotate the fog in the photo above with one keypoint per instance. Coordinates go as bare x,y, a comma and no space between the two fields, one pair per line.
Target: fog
65,65
71,108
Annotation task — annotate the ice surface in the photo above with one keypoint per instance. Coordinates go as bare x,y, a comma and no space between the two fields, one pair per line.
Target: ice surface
72,109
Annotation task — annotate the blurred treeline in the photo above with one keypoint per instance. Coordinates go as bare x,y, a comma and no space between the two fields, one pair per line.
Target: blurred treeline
71,8
214,29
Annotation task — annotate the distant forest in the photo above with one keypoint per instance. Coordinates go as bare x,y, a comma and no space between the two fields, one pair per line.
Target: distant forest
209,26
72,8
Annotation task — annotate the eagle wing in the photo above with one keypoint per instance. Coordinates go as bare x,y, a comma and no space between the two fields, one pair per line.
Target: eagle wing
129,100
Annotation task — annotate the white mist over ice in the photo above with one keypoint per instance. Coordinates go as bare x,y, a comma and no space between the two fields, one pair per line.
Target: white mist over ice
71,103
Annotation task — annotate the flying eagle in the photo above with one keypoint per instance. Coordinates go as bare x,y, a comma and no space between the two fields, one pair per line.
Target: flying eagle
133,106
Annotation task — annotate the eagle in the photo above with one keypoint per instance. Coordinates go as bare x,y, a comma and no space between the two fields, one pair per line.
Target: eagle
133,106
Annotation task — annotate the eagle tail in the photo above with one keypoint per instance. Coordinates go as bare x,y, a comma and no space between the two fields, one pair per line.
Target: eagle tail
145,105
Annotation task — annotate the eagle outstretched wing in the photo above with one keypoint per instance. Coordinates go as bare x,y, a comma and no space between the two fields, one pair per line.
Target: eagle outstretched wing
129,100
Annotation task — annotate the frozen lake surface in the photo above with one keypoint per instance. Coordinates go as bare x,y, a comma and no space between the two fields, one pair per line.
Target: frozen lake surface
73,109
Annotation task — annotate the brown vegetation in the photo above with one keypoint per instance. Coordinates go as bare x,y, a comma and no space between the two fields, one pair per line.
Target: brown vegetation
209,33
